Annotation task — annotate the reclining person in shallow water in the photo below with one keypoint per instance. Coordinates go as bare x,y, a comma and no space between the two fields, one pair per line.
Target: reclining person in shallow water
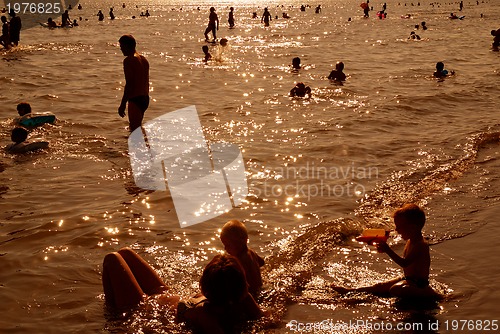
20,145
224,300
409,220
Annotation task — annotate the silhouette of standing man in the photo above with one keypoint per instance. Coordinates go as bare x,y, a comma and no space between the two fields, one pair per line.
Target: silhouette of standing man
15,28
136,91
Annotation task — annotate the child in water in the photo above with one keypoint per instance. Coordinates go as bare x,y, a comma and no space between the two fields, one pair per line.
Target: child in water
440,71
20,145
300,90
409,221
296,63
337,74
208,56
224,301
234,236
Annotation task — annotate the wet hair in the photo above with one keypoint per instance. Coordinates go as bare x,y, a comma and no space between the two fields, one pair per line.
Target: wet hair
234,229
204,48
439,66
19,135
339,66
411,213
231,8
127,41
223,281
23,108
212,9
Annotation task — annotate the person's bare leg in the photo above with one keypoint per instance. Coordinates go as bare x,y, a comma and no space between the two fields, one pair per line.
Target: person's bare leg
378,289
135,116
146,276
121,289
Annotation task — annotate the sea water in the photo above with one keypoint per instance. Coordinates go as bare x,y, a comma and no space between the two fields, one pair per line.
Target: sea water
319,169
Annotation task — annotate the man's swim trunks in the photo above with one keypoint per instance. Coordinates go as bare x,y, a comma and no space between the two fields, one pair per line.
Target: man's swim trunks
419,282
141,101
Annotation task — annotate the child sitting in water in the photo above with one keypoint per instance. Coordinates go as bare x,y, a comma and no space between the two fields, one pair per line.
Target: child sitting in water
20,145
337,74
208,56
234,236
224,300
440,71
409,221
300,90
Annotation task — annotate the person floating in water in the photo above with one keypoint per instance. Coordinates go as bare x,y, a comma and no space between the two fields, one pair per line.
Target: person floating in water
300,90
338,73
230,18
213,24
440,71
223,304
266,17
424,26
208,56
136,91
20,145
416,261
51,23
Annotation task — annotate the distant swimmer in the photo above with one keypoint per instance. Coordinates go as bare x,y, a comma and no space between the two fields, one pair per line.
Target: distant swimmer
300,90
318,9
338,73
440,71
75,23
414,36
208,56
213,24
15,26
285,15
266,17
424,26
296,63
100,15
230,18
20,145
79,6
136,91
111,14
51,23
